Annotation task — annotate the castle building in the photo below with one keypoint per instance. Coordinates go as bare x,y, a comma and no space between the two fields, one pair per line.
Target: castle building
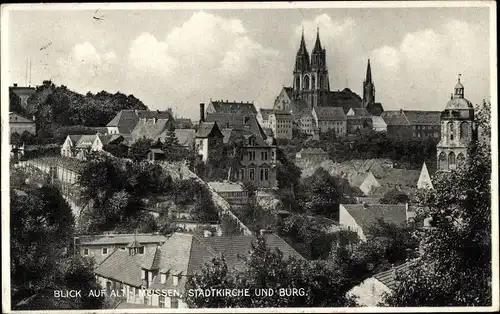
311,85
457,130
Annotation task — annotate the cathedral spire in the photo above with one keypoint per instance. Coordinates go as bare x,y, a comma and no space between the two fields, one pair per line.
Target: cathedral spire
302,48
317,45
368,73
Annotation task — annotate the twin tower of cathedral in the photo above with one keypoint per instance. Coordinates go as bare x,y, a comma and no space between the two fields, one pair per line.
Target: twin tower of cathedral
311,82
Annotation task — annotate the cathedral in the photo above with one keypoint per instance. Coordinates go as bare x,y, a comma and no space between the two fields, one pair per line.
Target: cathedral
311,85
457,130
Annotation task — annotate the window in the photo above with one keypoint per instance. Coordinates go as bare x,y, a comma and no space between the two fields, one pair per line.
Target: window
251,155
85,252
263,155
161,301
104,251
242,174
122,248
174,303
143,274
252,174
175,280
140,250
266,174
261,174
163,278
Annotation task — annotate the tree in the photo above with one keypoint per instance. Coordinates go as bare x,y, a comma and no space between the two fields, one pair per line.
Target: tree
42,227
320,284
140,149
323,194
394,197
454,268
229,226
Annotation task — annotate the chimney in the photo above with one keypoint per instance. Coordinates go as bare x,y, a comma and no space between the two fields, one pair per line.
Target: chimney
400,111
15,84
202,112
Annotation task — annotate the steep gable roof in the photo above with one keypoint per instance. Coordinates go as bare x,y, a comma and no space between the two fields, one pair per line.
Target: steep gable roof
368,216
121,266
149,130
85,141
185,137
126,120
206,128
358,113
329,113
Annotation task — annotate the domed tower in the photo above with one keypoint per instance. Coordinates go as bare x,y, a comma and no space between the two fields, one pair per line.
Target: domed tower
457,130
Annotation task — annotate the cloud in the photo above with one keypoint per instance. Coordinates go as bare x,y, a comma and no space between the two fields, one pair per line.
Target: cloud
86,68
207,56
420,72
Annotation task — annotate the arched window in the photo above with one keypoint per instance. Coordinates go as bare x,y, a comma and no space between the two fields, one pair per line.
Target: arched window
320,82
442,161
450,131
306,82
297,83
313,82
464,130
451,159
460,158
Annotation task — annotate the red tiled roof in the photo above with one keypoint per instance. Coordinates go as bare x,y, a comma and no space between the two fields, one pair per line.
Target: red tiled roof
206,128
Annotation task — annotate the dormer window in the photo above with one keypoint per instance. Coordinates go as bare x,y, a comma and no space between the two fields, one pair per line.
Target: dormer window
140,250
85,251
104,251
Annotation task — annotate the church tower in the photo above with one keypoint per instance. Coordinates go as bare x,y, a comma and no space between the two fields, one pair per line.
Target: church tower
302,67
457,130
310,76
368,87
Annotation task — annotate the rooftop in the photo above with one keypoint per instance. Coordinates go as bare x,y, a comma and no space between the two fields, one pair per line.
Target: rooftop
329,113
224,106
123,238
388,277
367,215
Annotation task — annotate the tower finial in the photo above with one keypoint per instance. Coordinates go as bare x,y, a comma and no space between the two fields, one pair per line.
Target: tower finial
459,75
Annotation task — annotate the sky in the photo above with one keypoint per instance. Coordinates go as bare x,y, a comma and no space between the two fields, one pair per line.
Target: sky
180,58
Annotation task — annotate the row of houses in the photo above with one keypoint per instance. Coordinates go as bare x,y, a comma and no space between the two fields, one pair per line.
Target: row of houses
135,265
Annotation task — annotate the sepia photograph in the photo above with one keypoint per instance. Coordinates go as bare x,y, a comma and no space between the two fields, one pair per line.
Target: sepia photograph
249,157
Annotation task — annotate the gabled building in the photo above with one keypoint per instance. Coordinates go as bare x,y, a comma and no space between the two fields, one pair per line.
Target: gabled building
208,135
100,247
304,122
358,119
278,121
361,217
424,180
19,124
126,120
371,292
169,267
78,145
258,151
330,118
379,124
